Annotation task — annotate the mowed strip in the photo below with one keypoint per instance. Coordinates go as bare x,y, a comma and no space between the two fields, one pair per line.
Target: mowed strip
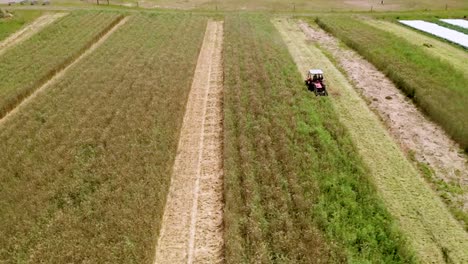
456,57
192,227
29,30
85,167
31,63
434,234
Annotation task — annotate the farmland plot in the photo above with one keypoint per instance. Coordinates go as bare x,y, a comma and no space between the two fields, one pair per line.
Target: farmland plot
439,31
435,86
86,165
431,230
457,22
21,18
295,189
29,64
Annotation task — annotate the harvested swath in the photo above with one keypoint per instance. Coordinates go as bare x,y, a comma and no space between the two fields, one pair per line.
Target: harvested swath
86,165
28,65
432,232
295,189
435,86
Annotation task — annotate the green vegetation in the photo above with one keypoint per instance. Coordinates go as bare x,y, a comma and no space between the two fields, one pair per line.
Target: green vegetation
296,190
435,86
85,167
19,19
447,25
31,63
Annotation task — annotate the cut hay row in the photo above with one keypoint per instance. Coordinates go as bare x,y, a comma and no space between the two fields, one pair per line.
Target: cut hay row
295,188
30,64
431,230
29,30
85,167
434,85
439,31
192,226
456,57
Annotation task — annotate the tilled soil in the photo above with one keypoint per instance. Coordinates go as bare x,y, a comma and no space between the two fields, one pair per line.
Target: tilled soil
29,30
414,132
192,228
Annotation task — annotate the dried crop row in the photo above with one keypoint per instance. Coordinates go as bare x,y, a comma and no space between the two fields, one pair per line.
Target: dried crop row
296,191
434,85
29,64
86,165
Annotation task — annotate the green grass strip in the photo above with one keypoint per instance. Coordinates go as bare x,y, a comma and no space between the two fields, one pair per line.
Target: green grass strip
296,189
432,231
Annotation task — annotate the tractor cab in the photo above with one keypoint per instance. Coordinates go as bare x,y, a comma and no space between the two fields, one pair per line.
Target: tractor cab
315,82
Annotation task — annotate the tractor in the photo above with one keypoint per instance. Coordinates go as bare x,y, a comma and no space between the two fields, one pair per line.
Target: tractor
315,82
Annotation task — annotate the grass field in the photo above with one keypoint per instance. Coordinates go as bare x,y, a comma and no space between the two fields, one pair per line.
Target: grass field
296,190
31,63
21,18
455,56
431,230
85,167
435,86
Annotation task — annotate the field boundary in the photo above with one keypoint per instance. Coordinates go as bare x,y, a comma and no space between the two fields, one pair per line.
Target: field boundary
434,234
29,30
62,69
192,226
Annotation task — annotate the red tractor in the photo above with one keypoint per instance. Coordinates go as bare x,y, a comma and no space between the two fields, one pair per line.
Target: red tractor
315,82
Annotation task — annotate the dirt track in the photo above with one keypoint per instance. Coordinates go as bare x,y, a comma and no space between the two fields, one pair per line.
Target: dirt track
432,232
192,228
412,130
29,30
62,72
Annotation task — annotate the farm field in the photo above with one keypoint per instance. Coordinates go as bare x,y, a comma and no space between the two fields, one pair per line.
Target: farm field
456,22
20,19
420,214
458,58
285,153
94,151
437,30
31,63
138,135
418,75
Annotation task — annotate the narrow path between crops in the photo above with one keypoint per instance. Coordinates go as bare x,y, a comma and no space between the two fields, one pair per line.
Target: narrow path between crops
411,129
62,72
29,30
192,227
431,230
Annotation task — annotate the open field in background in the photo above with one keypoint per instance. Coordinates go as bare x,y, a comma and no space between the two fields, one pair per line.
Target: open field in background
85,167
435,86
31,63
432,232
20,19
296,190
455,56
450,26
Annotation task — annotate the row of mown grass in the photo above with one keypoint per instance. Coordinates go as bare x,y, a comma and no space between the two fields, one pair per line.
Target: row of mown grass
436,86
85,166
31,63
296,190
20,18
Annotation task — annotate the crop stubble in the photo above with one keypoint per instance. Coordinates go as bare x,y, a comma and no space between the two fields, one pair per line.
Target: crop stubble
431,230
192,227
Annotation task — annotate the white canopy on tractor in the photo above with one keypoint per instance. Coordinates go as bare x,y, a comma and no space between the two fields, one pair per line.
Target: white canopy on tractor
315,71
